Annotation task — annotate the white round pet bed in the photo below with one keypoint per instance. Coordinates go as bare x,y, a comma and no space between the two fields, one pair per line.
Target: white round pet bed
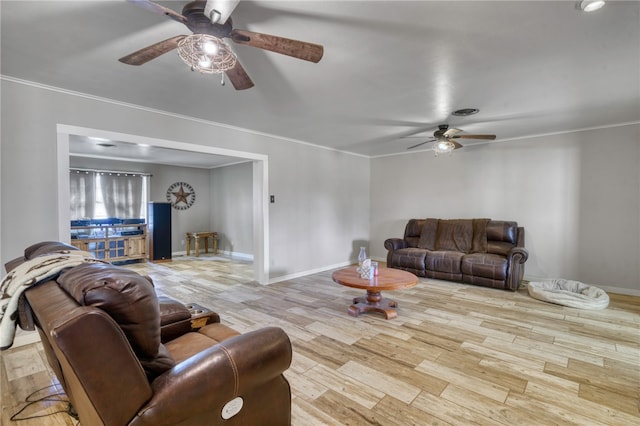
569,293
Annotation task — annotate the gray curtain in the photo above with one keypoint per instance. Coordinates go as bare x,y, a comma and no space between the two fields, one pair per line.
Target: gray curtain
121,194
82,193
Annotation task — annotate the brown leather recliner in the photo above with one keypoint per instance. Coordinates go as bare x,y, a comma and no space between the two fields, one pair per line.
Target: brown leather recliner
100,327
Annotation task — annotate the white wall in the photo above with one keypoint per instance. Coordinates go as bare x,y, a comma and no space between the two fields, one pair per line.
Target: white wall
230,214
193,219
322,201
576,194
309,228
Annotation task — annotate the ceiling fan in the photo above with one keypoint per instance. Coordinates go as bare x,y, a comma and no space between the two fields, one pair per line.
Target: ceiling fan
444,136
211,18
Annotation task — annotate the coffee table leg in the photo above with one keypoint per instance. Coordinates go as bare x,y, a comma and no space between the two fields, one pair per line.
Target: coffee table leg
373,302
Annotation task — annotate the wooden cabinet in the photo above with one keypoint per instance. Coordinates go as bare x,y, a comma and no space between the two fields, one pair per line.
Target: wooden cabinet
113,243
137,247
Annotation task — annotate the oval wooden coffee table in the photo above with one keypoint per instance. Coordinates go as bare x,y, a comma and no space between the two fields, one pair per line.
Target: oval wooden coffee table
387,279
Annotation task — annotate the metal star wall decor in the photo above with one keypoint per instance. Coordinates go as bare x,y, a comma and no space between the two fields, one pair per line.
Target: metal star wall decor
181,195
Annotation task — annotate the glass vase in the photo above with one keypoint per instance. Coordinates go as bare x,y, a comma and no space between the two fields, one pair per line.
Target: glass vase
362,256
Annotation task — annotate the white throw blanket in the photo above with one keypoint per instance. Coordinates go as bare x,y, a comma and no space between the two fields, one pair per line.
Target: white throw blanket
27,274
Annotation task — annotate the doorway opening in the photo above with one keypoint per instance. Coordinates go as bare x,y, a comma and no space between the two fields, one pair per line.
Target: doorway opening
259,185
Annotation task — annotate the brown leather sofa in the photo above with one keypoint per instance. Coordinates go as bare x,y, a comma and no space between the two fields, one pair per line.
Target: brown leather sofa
484,252
100,326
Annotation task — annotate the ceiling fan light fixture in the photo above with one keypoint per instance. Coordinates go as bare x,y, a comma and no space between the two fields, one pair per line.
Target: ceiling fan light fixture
591,5
443,146
206,54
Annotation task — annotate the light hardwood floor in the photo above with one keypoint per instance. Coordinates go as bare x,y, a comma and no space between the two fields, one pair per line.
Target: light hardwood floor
456,354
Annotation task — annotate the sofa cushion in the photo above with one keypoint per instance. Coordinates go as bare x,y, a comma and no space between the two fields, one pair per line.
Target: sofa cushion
218,332
411,257
443,261
479,242
454,235
485,265
126,296
502,231
502,236
412,231
190,344
156,365
428,234
46,247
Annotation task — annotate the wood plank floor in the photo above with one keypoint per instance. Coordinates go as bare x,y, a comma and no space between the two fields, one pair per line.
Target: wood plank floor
456,354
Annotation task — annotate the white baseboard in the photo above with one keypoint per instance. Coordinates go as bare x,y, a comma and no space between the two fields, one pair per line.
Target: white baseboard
231,254
322,269
621,290
309,272
237,255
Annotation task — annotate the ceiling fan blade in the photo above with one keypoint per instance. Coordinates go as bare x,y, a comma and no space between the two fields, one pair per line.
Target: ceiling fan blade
449,133
456,145
298,49
420,144
148,53
487,137
156,8
239,77
218,11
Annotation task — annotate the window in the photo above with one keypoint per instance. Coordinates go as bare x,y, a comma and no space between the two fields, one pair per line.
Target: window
101,194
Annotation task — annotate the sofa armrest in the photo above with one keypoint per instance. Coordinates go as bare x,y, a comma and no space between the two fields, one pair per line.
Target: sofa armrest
392,244
516,257
177,318
25,314
174,318
13,263
518,254
205,382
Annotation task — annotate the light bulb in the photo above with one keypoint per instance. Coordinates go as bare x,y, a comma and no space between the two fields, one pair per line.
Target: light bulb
204,62
210,48
591,5
443,146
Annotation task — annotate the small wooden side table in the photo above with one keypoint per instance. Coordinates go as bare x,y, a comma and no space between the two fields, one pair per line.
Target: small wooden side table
196,236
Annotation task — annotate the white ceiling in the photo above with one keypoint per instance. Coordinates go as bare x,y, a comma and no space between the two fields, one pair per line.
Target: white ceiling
390,68
92,147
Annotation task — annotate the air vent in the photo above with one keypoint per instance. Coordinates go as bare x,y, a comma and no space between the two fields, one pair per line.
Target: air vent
465,111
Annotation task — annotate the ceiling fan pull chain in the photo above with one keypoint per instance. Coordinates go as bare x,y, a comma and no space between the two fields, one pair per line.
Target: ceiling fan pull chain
222,79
